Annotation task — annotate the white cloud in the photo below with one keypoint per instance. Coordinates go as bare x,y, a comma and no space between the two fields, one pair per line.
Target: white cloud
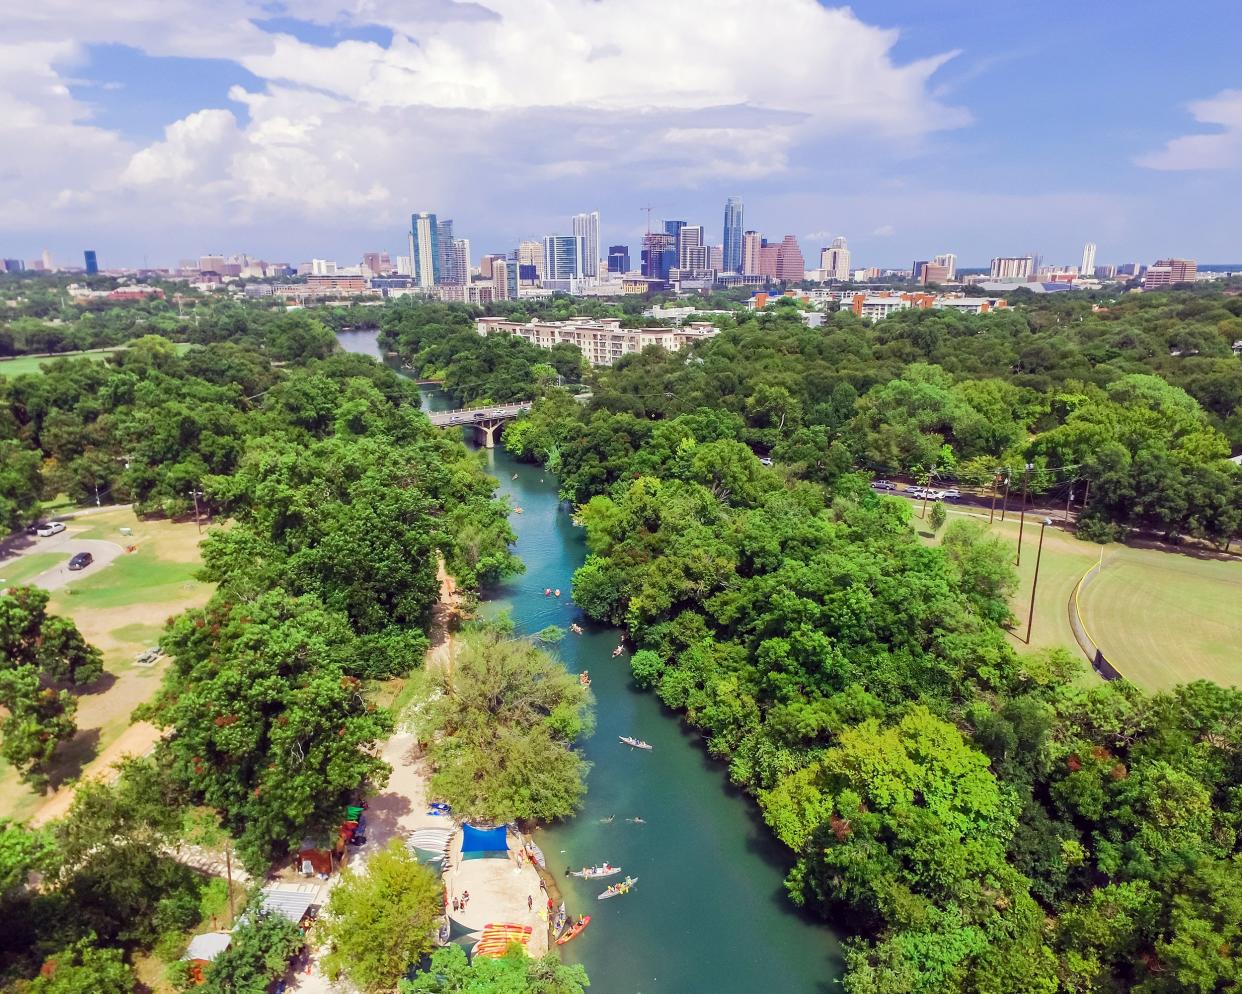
469,101
1219,150
884,231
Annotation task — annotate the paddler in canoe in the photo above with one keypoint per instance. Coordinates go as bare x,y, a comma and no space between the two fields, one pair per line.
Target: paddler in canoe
584,678
617,651
575,628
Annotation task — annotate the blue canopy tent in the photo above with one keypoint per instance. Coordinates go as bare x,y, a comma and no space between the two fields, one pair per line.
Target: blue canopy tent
484,843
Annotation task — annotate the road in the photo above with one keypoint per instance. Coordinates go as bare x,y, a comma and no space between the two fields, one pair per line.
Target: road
17,548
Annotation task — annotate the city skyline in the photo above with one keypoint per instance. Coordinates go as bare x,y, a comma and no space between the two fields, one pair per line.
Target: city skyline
290,130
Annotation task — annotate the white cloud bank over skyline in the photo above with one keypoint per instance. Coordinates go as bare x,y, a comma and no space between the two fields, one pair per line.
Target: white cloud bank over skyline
508,115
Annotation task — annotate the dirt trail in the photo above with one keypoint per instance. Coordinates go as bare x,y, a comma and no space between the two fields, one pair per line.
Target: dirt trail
137,740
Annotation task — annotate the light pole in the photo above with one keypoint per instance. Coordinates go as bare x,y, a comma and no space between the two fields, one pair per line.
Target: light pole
1039,552
1026,478
196,494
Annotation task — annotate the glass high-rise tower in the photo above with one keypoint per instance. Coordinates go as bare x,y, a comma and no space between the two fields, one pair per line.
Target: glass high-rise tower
425,257
732,240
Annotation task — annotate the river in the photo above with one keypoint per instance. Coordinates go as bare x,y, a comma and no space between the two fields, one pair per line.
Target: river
709,914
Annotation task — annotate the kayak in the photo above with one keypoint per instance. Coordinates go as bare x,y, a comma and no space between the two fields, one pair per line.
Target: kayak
624,887
595,872
573,930
559,925
634,743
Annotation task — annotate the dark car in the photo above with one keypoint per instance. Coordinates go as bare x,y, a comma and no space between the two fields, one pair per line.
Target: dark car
81,560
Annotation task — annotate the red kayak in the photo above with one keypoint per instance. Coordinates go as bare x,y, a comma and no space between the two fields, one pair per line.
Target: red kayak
573,930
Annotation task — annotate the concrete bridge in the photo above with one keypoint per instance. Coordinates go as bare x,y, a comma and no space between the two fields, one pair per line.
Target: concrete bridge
484,420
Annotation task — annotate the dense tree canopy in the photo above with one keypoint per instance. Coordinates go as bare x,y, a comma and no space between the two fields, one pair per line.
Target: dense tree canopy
450,972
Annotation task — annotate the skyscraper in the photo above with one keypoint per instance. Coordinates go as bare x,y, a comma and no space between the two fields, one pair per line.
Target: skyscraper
448,266
1088,260
461,259
835,260
531,254
673,227
425,249
586,226
504,279
1012,267
618,258
92,264
689,239
659,254
563,257
732,240
752,243
790,267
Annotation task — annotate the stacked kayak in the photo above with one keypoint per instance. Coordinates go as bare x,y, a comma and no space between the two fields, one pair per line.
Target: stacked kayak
497,938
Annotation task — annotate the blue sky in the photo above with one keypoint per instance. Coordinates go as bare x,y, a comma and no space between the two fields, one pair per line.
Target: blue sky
291,131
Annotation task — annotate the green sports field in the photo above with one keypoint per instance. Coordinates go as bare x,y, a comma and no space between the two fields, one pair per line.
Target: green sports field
1164,618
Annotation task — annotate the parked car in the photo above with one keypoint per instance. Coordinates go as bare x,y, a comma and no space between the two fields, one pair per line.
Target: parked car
765,460
952,494
81,560
50,528
883,485
915,492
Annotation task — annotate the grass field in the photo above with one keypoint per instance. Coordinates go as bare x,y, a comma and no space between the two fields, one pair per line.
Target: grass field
23,364
1162,617
1166,618
28,567
122,610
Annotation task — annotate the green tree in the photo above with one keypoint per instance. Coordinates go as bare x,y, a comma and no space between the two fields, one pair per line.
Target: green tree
936,517
502,729
83,968
378,923
270,728
450,972
20,484
260,948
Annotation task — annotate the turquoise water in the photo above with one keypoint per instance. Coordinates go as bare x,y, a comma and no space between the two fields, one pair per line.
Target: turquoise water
709,914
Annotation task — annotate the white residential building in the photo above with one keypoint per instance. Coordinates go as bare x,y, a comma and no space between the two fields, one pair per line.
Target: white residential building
601,340
586,226
1088,260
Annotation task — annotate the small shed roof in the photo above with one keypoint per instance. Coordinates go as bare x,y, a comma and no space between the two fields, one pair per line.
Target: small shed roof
208,946
293,904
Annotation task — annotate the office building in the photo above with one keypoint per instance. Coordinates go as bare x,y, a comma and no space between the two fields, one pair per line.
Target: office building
1166,272
487,264
949,261
790,266
834,260
1013,267
92,263
769,260
531,254
1130,269
586,227
563,257
689,237
618,258
602,341
13,265
752,244
731,242
461,261
1088,260
659,255
504,279
931,272
425,249
673,228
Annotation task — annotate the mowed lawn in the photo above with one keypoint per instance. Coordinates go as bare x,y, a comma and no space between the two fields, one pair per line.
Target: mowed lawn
23,570
23,364
122,609
1164,618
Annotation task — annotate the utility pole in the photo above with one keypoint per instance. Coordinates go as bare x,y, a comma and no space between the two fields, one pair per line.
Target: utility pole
1005,504
1068,499
96,494
232,916
197,521
1030,617
1026,478
992,513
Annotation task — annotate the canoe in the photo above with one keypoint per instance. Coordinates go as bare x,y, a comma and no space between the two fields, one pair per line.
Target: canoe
624,887
595,872
561,918
573,930
634,743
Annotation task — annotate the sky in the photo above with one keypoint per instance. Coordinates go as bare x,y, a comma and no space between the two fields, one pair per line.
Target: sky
156,130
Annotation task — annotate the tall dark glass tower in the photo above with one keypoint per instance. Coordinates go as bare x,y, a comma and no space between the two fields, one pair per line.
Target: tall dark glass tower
732,240
92,263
